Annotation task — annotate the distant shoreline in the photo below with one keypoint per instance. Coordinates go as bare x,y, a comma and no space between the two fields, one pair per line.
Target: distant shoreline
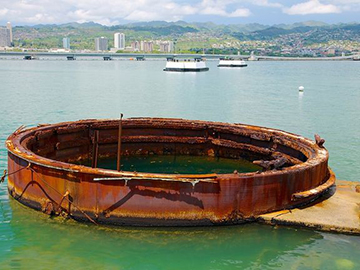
133,56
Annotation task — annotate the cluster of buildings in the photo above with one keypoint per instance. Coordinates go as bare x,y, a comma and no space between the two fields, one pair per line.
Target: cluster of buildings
6,37
295,49
149,46
102,44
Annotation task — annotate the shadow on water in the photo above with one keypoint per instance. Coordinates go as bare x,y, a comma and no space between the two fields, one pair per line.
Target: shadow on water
45,243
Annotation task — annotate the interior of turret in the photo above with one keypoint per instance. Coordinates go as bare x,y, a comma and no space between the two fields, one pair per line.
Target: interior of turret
164,146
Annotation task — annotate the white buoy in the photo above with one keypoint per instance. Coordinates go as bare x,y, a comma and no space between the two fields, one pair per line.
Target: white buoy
301,88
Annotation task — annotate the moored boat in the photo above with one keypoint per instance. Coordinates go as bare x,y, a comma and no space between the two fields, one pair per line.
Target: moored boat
30,57
71,57
231,62
186,65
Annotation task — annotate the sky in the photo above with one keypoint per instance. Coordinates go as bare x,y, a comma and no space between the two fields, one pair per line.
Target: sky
113,12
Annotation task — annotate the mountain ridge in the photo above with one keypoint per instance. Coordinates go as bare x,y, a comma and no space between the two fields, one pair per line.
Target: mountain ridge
192,36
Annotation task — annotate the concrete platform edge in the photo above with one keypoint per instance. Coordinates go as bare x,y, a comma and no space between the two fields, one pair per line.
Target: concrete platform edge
336,213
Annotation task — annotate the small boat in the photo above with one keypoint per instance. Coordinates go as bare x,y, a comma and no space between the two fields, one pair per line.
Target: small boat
231,62
30,57
356,58
186,65
71,57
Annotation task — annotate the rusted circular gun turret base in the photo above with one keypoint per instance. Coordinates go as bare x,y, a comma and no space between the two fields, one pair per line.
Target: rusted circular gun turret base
43,174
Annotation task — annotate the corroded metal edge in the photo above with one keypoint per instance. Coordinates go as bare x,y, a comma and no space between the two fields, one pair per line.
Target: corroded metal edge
222,208
13,144
316,191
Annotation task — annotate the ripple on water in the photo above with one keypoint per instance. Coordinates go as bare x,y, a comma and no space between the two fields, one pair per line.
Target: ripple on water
265,93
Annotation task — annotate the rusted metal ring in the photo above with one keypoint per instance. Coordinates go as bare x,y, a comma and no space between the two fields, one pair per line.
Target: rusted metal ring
167,199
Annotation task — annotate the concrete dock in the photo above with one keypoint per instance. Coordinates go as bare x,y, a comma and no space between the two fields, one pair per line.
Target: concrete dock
338,211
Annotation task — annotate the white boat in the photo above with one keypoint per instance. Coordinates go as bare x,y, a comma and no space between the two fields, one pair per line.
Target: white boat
195,65
231,62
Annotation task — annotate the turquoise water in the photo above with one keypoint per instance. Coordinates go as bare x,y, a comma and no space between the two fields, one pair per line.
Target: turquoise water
179,164
264,93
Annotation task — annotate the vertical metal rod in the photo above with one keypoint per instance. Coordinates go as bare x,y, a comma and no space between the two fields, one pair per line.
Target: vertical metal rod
118,165
95,149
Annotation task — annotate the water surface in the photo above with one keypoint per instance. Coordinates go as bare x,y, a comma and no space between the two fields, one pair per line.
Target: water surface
176,164
264,93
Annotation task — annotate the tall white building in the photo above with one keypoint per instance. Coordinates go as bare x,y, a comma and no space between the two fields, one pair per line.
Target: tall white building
8,26
119,41
101,44
66,43
5,40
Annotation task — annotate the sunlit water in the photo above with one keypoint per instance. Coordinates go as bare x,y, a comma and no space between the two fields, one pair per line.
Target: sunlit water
264,93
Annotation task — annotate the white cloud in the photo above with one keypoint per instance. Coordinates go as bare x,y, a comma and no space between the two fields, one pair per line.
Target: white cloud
142,15
219,7
266,3
311,7
110,12
3,11
240,12
347,5
345,1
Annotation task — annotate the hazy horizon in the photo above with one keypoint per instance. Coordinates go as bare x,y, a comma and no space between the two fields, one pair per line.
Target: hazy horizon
309,22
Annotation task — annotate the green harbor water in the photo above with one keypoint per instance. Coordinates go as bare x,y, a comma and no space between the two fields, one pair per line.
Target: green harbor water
180,164
264,93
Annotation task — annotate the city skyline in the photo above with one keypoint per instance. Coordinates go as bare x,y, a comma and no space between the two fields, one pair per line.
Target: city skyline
221,12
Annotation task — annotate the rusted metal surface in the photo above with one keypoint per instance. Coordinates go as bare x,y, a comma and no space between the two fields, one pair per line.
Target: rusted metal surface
298,173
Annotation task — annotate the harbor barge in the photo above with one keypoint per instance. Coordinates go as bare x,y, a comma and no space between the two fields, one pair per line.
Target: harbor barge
196,65
43,174
231,62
